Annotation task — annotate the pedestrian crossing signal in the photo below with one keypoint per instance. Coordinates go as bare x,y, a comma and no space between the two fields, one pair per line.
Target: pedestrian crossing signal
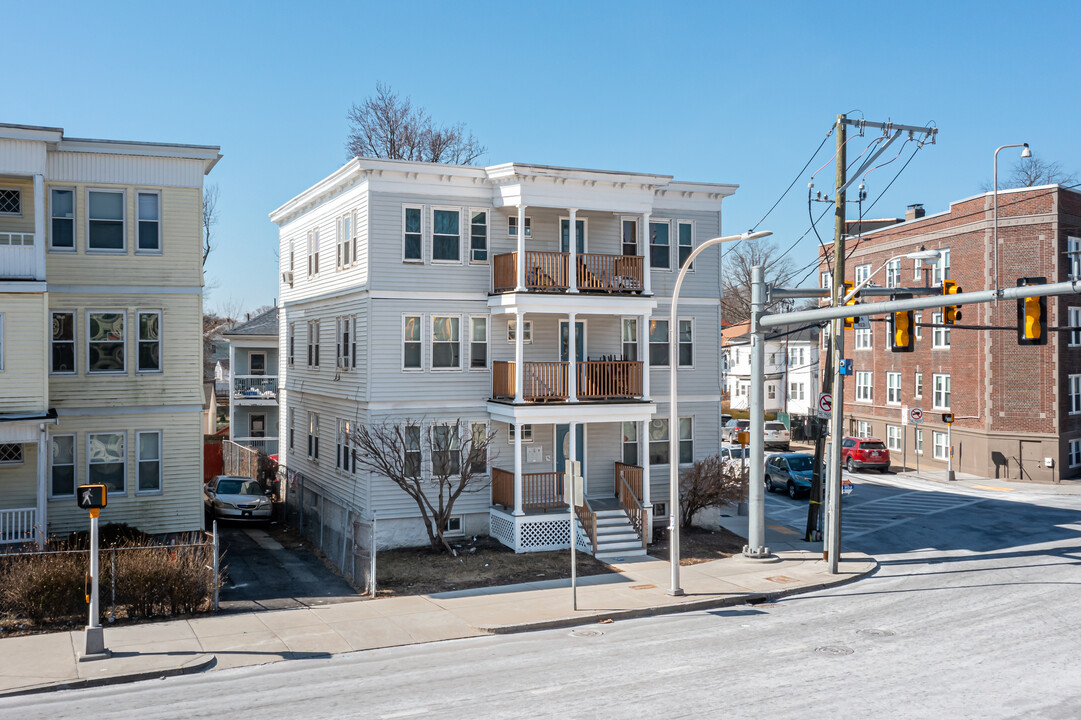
92,497
1031,315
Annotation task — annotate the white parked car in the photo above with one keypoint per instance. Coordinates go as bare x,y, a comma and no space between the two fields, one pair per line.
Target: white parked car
777,435
236,498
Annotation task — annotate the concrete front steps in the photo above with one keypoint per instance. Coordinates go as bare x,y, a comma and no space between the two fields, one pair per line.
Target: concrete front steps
616,536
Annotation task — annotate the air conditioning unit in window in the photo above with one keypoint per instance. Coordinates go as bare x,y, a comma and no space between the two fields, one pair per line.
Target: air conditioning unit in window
287,277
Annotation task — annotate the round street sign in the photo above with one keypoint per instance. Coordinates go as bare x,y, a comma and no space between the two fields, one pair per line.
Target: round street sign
916,415
825,403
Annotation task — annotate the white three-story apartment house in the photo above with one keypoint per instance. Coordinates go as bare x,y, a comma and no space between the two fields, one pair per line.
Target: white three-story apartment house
100,331
529,299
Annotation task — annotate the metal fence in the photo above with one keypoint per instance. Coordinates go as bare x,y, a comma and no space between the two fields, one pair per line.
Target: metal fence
249,462
345,536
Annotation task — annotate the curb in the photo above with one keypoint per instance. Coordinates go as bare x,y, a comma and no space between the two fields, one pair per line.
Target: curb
692,606
196,664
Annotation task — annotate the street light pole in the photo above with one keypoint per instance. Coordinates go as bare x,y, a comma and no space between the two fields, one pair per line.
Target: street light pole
1026,153
673,411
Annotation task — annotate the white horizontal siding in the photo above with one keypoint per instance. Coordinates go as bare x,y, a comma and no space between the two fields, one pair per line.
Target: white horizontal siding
124,169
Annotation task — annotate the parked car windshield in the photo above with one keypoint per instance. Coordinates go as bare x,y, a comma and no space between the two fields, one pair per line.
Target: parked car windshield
877,445
775,426
801,463
239,487
737,453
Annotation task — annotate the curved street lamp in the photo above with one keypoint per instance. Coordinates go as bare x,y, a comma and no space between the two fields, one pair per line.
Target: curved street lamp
1026,153
673,414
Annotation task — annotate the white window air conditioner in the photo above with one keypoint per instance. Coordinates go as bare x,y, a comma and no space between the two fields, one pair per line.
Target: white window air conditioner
287,277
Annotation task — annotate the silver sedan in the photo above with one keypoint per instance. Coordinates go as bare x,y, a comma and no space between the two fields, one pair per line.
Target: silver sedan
236,498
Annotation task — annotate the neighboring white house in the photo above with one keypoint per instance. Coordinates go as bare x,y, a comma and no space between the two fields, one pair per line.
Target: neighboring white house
403,292
791,369
253,382
100,331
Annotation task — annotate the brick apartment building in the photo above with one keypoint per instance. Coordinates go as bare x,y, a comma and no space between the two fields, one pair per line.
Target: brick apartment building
1017,408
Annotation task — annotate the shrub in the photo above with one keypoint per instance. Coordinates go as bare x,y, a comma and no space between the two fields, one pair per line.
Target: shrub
705,485
42,587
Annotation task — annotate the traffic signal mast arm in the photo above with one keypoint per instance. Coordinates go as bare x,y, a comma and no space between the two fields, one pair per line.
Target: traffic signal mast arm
891,306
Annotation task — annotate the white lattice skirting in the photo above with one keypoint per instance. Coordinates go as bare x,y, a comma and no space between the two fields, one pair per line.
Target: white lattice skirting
535,533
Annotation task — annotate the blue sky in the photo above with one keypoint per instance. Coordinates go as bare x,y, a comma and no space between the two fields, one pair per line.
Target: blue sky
714,92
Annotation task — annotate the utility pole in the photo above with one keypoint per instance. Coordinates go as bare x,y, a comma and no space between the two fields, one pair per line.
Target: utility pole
832,544
814,504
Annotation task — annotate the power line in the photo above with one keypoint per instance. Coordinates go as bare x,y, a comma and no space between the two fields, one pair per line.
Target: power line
795,179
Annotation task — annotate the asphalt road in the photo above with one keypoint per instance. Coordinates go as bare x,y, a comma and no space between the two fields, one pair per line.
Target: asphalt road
973,613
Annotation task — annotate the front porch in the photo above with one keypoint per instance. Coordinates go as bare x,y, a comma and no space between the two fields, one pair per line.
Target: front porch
24,477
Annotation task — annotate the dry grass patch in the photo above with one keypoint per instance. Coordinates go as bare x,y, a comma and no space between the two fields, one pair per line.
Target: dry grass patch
697,545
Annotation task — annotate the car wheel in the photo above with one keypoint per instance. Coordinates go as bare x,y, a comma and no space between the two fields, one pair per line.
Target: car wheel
849,465
768,483
792,490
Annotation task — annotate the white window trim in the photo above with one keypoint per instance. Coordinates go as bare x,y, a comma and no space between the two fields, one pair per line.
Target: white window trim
527,339
431,219
291,344
694,244
527,437
935,435
893,273
891,431
935,393
917,269
668,442
122,433
1073,388
2,343
290,420
448,532
313,437
940,336
918,441
313,252
311,345
649,243
863,429
74,465
17,190
74,220
694,333
870,386
123,220
159,249
487,343
917,385
862,272
917,318
401,331
667,343
161,463
127,350
529,226
864,339
1076,443
889,376
1073,315
344,325
431,343
941,270
159,341
487,235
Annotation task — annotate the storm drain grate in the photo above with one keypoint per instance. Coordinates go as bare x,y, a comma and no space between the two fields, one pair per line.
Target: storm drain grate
875,632
834,650
586,633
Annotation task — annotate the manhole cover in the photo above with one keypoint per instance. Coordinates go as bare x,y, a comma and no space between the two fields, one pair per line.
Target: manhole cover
586,633
875,632
834,650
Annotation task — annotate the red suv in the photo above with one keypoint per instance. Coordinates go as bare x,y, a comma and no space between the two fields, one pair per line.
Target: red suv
868,452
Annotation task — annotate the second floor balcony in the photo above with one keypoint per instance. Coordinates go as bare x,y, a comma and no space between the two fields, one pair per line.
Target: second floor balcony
19,259
550,272
595,380
255,390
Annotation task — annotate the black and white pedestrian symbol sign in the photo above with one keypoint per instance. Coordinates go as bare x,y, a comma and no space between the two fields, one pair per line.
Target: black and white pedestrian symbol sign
92,497
915,415
825,404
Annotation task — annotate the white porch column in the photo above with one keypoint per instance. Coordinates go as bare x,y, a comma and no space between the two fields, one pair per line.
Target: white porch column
43,483
572,450
647,280
232,408
572,248
518,469
643,351
572,359
520,269
643,462
39,225
519,353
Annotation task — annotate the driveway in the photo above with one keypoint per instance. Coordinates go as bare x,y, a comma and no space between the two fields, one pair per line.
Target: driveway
273,570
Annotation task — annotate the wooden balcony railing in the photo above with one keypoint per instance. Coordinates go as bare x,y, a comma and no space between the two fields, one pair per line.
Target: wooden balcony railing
609,379
547,381
633,474
630,499
588,518
547,272
541,492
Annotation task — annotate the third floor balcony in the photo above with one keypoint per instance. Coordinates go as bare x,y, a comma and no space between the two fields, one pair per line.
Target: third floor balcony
19,257
255,390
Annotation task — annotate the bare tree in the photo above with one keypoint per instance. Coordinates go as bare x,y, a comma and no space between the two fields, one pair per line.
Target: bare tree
1030,172
736,276
705,485
459,464
210,218
386,125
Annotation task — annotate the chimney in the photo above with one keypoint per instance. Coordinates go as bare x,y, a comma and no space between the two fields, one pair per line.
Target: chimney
914,212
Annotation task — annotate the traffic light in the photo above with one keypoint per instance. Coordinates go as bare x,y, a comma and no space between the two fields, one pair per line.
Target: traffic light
1031,315
950,313
850,321
904,323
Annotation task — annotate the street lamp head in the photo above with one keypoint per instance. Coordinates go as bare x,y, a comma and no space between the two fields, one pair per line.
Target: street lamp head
927,255
1026,153
757,235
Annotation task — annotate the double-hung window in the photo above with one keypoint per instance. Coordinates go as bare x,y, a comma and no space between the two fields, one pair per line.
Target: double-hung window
893,437
1074,389
630,443
893,388
825,280
917,318
941,269
862,273
527,433
313,343
527,332
62,219
345,342
291,343
919,441
344,240
940,336
345,458
149,355
658,343
630,339
62,466
1074,315
105,221
863,429
940,450
411,449
685,238
659,438
660,251
411,234
62,349
478,236
797,391
1075,453
917,388
478,448
512,226
148,443
865,338
446,449
148,205
446,342
313,436
941,384
313,252
411,342
107,461
1073,255
893,273
291,422
105,342
686,343
864,386
478,342
446,235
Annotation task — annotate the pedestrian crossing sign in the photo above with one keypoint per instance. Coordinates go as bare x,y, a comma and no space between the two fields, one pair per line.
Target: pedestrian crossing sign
92,497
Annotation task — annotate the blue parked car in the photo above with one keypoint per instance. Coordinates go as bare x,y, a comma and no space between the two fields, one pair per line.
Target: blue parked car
790,472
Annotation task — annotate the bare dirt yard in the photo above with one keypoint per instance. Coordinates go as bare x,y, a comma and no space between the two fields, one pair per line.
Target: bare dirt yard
697,545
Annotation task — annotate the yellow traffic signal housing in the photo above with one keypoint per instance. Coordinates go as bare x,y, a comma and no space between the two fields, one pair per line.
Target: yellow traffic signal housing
1031,315
950,313
849,285
904,324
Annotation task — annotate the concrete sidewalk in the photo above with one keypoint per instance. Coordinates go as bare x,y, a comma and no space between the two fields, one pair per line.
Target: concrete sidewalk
47,662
